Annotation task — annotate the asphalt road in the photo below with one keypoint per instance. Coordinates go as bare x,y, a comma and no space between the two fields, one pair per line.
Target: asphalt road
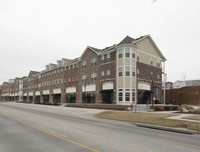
31,128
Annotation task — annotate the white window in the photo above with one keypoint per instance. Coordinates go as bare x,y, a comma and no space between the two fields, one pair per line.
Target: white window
127,94
94,62
84,64
127,52
138,71
138,56
127,70
120,71
108,74
158,77
133,52
84,78
69,80
158,62
102,75
151,60
108,56
73,67
120,95
120,53
102,59
133,71
94,77
76,67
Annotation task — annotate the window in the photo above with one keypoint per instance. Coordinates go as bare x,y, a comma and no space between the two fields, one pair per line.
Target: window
65,81
138,56
69,80
73,80
102,75
151,60
58,71
76,67
120,71
152,75
133,94
158,63
94,62
158,77
76,79
102,59
120,53
120,95
84,78
84,64
127,70
73,67
127,52
133,52
108,74
133,71
108,57
127,94
69,68
138,71
94,77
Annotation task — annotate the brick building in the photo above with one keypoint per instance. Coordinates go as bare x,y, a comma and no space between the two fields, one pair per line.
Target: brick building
123,74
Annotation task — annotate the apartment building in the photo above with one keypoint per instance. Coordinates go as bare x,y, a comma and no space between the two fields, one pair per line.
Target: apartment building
125,73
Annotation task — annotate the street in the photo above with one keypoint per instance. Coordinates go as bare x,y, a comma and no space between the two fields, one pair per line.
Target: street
30,128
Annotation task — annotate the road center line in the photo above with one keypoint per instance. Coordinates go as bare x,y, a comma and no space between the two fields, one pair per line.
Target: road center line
49,132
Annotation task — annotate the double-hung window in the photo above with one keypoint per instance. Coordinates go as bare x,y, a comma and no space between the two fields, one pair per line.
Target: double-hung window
84,78
133,52
94,77
120,53
127,52
127,94
127,71
94,62
108,74
133,71
120,71
102,75
84,64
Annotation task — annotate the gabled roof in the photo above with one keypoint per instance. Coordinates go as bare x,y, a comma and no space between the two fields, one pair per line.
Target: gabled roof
127,40
33,73
95,50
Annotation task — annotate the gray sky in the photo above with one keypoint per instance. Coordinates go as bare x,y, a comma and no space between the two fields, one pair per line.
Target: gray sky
34,33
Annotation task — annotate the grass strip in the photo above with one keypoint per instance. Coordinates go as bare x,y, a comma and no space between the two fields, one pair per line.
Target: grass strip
149,118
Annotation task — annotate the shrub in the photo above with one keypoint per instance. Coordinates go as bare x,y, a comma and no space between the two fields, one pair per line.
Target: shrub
198,111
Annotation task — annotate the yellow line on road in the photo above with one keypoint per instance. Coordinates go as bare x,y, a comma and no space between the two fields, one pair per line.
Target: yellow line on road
49,132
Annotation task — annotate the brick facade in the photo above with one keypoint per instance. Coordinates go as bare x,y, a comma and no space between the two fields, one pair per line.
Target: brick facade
93,78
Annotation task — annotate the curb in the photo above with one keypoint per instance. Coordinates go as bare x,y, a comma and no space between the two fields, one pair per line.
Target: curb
178,130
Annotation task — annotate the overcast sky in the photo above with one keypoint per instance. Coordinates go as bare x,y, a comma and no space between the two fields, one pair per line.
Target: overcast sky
34,33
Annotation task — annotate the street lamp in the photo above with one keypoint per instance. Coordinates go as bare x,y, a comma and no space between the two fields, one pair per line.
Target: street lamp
152,88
